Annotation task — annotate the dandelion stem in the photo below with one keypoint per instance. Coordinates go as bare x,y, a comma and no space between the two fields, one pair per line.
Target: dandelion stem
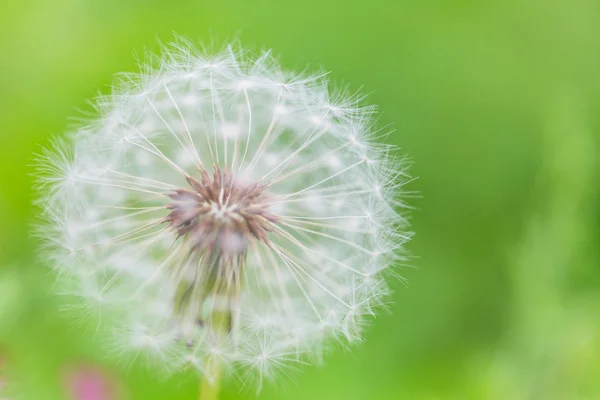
210,384
209,389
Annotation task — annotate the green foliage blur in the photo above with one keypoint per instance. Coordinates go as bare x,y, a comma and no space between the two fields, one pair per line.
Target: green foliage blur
497,103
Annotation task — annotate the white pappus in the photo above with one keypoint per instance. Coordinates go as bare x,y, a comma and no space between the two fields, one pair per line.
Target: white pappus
219,210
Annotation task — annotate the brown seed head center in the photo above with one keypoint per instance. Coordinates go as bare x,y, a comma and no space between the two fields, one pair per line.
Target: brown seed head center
220,213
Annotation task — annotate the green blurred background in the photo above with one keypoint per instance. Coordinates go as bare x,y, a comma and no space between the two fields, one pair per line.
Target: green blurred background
498,104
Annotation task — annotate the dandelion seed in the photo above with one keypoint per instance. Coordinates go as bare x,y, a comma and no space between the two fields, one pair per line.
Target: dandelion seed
221,211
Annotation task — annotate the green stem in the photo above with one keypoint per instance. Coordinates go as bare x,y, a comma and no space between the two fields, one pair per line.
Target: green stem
211,381
209,389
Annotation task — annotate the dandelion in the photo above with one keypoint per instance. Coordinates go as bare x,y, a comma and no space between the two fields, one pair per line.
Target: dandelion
224,215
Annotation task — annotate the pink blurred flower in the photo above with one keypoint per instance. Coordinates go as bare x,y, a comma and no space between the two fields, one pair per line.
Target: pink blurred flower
2,380
89,383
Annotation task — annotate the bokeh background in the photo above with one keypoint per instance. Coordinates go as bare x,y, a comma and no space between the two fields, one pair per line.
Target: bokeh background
498,104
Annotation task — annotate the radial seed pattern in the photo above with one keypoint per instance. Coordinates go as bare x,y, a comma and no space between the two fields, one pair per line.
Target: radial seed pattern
221,209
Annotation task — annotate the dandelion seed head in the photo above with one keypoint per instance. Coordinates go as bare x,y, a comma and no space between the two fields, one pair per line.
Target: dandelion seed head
220,207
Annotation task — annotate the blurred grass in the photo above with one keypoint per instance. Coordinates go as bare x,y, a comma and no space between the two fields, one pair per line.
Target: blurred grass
498,104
